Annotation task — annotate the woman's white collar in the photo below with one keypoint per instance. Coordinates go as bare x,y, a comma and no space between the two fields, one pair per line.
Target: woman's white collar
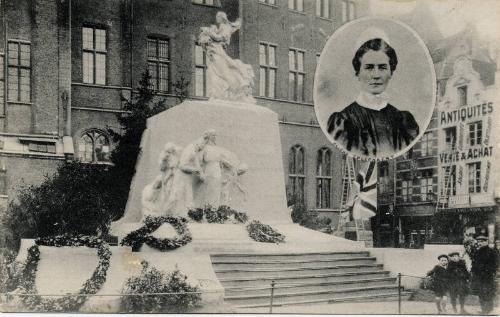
375,102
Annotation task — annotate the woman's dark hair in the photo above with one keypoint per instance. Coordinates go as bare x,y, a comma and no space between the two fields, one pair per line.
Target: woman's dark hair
375,45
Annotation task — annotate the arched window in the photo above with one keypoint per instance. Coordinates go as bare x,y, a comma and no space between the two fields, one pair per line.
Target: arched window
296,174
323,179
93,147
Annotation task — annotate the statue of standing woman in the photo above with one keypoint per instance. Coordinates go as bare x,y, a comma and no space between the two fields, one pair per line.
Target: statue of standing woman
227,78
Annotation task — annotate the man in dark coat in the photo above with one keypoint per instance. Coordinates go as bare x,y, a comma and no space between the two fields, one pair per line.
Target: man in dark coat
484,268
459,278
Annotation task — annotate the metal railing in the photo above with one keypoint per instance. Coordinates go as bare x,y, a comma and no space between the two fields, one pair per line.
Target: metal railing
271,287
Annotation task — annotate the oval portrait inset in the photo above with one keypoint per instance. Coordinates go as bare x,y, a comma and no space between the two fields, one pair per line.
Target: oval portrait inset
374,88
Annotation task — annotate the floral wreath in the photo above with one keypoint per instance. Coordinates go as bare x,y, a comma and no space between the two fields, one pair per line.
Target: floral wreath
138,237
68,303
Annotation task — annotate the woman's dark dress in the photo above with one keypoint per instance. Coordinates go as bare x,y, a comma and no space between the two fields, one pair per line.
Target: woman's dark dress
373,132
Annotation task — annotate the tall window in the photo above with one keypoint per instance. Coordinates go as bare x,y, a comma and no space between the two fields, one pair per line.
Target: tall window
200,61
450,137
207,2
406,190
19,71
323,179
475,133
94,55
296,75
474,177
3,182
383,177
273,2
450,180
426,190
426,144
2,83
296,173
93,147
159,63
323,8
268,68
297,5
348,10
462,95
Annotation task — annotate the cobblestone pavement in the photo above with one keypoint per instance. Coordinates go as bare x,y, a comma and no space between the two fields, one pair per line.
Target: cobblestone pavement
378,308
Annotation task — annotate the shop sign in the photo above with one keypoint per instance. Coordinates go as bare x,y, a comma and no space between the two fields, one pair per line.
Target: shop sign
461,129
466,113
466,155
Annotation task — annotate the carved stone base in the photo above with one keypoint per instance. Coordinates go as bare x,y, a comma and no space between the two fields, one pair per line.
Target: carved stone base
249,131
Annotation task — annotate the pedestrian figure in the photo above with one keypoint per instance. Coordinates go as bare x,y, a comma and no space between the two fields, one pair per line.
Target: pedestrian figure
440,282
484,268
459,281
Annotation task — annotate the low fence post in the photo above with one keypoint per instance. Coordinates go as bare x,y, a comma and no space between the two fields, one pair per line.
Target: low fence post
272,297
399,293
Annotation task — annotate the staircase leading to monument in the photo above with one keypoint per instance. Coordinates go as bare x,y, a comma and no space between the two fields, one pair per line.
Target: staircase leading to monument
303,278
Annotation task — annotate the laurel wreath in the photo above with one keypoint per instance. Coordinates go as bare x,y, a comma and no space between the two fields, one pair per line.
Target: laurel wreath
264,233
68,303
137,238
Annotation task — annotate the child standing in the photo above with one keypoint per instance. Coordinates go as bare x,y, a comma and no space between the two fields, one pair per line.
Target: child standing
440,280
459,279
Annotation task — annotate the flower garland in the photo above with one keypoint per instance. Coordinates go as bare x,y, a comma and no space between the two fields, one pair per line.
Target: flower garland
65,303
219,215
138,237
264,233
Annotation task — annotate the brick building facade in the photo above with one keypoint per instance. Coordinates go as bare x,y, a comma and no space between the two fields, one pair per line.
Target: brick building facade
67,64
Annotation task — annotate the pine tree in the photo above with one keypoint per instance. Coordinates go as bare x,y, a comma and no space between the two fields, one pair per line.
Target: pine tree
133,123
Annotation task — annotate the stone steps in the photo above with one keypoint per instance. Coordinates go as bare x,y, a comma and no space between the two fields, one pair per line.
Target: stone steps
287,272
250,263
351,299
302,278
283,288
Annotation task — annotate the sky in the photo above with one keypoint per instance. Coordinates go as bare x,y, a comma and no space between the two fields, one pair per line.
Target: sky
450,15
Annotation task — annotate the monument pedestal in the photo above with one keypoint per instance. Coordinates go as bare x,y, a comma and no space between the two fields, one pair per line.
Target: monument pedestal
249,131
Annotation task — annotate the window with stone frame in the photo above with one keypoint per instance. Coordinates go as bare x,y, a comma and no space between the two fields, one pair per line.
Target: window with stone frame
462,95
324,178
426,185
407,190
449,180
348,10
426,144
2,83
159,63
323,8
296,174
19,71
296,5
267,70
215,3
200,61
94,55
475,133
450,138
383,177
94,147
474,177
297,74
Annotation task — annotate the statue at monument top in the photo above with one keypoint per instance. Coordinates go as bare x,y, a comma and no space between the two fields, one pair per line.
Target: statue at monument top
227,78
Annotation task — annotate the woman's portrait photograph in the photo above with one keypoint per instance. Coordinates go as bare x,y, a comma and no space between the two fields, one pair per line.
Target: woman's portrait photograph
374,89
